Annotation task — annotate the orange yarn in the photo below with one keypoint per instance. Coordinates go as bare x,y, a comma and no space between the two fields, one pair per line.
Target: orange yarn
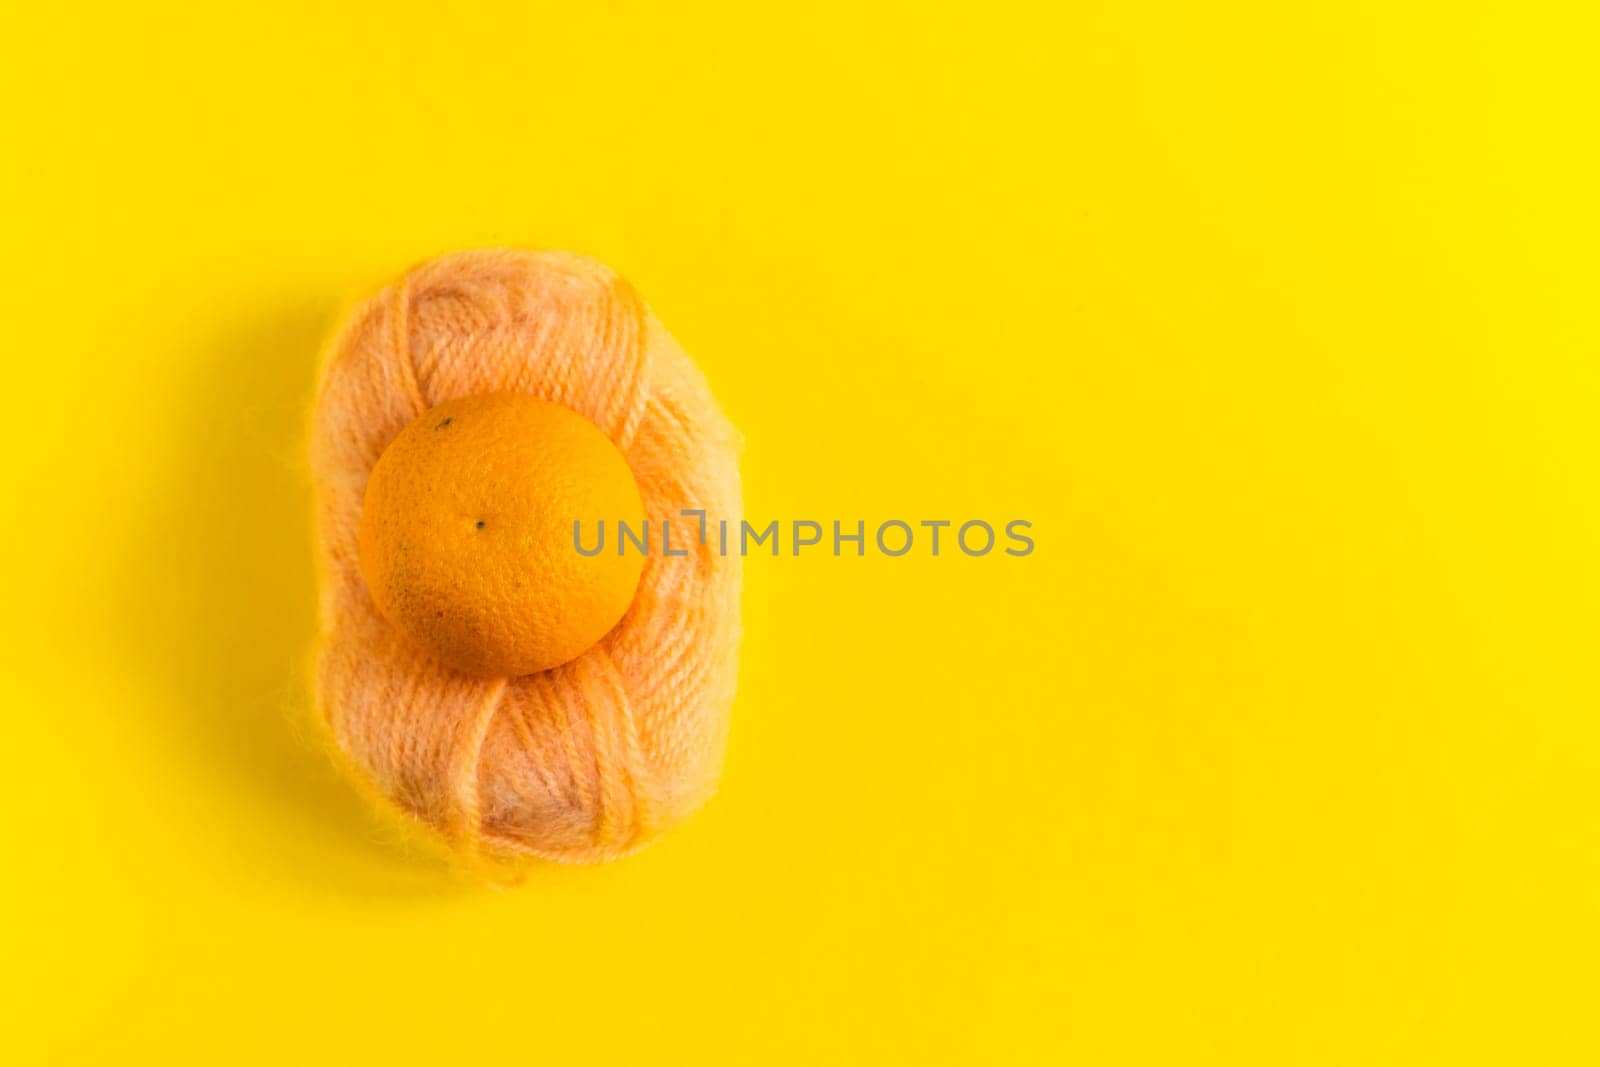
593,759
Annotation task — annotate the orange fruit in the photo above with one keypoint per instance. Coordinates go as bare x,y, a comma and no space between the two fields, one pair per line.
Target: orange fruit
467,542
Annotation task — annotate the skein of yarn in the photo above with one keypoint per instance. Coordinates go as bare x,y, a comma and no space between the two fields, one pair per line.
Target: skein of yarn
594,758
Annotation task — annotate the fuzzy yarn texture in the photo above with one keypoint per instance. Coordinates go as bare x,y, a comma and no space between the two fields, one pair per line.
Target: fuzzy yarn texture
593,759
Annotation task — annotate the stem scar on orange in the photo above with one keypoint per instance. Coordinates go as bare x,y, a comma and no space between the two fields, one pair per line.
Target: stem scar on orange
466,536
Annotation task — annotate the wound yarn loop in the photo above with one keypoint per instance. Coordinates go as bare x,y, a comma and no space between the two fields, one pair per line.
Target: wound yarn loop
593,759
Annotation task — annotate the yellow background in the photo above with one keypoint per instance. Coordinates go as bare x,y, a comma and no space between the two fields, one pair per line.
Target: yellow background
1277,320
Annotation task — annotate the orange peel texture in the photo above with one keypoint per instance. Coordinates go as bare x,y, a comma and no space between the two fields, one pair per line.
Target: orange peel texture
468,537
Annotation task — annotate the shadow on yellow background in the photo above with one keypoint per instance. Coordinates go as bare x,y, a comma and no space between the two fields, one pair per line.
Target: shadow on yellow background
224,641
